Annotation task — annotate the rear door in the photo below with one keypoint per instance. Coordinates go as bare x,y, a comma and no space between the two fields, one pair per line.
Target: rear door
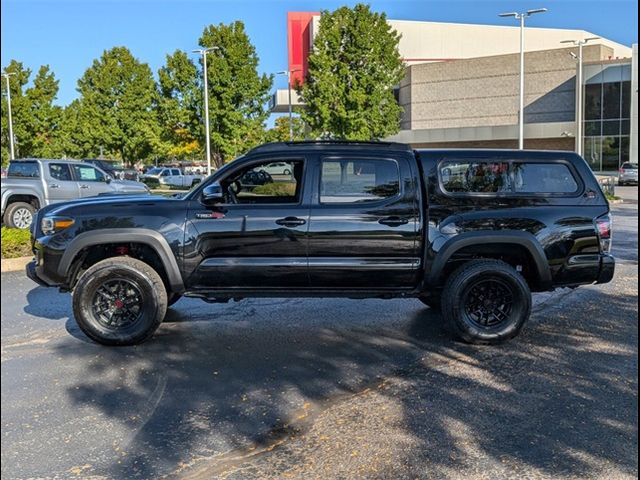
364,220
60,184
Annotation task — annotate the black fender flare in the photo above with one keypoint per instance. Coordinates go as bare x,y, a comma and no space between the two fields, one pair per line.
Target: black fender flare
126,235
524,239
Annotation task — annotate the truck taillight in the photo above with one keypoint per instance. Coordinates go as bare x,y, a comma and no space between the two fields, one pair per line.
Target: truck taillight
604,225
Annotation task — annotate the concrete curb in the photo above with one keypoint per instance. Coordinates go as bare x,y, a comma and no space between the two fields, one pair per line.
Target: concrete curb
15,264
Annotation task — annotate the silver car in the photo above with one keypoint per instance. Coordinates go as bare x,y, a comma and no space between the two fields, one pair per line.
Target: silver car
628,174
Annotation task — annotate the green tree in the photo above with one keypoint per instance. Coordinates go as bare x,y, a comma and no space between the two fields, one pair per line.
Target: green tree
180,107
280,130
353,69
117,108
237,94
43,117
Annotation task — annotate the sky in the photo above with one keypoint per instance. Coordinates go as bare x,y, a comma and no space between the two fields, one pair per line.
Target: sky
69,34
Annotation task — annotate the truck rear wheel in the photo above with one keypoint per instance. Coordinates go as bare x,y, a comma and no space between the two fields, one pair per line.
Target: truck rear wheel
486,302
19,215
119,301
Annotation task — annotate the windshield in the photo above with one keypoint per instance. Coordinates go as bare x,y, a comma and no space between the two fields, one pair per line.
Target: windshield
154,171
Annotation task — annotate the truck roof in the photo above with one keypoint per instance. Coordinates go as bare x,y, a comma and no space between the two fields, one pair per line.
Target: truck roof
323,144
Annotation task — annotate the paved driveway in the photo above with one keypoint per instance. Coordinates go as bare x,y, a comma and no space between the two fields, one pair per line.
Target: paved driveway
325,389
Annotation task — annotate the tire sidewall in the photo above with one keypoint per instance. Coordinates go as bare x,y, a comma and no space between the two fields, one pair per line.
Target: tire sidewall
83,297
470,332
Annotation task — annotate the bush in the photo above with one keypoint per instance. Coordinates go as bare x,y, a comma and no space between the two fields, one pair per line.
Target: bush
276,189
15,242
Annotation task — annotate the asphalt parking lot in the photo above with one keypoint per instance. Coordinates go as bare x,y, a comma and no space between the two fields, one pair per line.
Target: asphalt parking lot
326,389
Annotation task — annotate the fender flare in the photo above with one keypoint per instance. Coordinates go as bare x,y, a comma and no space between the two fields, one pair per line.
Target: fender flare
125,235
523,239
24,191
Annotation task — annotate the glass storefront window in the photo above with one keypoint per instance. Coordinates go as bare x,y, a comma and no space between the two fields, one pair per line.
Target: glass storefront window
593,102
611,127
593,128
624,150
610,153
626,99
592,152
611,100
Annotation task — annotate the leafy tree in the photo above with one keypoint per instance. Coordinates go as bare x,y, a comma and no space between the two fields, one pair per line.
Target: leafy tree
180,107
353,69
237,94
280,130
117,108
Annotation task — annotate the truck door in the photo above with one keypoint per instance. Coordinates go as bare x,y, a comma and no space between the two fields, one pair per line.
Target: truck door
364,224
91,181
60,185
257,238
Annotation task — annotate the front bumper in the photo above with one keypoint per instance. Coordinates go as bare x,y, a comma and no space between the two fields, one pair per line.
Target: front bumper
32,273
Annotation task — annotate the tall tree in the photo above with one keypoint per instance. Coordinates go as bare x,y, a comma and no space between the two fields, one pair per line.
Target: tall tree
353,68
237,93
44,118
117,108
180,107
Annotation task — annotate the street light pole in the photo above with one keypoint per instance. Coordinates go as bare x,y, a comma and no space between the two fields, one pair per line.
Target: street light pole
579,82
521,17
203,52
288,74
12,155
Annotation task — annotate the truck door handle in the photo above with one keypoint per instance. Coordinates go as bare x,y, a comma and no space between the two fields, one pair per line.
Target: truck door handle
291,221
84,186
54,185
393,221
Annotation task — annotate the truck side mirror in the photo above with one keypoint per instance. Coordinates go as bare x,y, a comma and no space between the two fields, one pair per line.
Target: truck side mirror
212,194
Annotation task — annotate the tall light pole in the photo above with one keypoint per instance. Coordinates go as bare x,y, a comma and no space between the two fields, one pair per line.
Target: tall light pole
521,17
288,74
579,44
203,52
12,155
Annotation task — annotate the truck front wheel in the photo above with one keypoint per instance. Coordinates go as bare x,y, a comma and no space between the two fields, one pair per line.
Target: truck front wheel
119,301
486,302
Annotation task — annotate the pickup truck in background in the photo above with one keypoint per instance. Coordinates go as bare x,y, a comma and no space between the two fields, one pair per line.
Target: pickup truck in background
115,169
170,176
35,183
469,232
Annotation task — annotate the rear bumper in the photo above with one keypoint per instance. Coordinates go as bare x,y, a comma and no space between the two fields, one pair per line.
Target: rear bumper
607,269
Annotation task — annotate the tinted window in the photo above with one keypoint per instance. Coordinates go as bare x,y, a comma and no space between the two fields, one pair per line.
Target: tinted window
60,171
630,166
255,184
85,173
23,169
175,172
543,178
351,181
475,177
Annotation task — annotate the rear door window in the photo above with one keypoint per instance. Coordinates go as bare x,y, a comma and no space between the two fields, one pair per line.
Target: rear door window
543,178
475,177
23,170
60,171
356,181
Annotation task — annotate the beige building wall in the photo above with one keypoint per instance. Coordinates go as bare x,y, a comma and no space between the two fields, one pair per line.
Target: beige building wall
482,92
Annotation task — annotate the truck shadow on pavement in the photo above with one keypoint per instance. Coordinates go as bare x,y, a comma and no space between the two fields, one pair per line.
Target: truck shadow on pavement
559,400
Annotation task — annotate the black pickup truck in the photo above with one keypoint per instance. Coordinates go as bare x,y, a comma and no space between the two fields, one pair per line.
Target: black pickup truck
470,232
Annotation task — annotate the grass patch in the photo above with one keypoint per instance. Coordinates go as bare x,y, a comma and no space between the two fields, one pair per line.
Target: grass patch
15,243
611,196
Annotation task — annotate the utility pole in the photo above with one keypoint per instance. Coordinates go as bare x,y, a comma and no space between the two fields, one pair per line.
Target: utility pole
12,155
288,74
203,52
521,17
579,82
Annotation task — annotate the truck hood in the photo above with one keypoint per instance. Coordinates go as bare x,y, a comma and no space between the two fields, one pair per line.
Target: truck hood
112,200
128,186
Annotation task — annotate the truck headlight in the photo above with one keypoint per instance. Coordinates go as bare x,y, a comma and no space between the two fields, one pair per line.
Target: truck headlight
51,225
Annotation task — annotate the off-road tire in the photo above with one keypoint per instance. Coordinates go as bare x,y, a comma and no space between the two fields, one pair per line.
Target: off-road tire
11,211
458,300
153,300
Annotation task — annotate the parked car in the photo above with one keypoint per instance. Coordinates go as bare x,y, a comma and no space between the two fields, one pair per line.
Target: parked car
628,174
35,183
170,176
277,168
115,169
469,232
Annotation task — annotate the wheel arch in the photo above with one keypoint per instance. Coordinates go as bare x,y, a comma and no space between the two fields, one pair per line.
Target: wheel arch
524,241
150,238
